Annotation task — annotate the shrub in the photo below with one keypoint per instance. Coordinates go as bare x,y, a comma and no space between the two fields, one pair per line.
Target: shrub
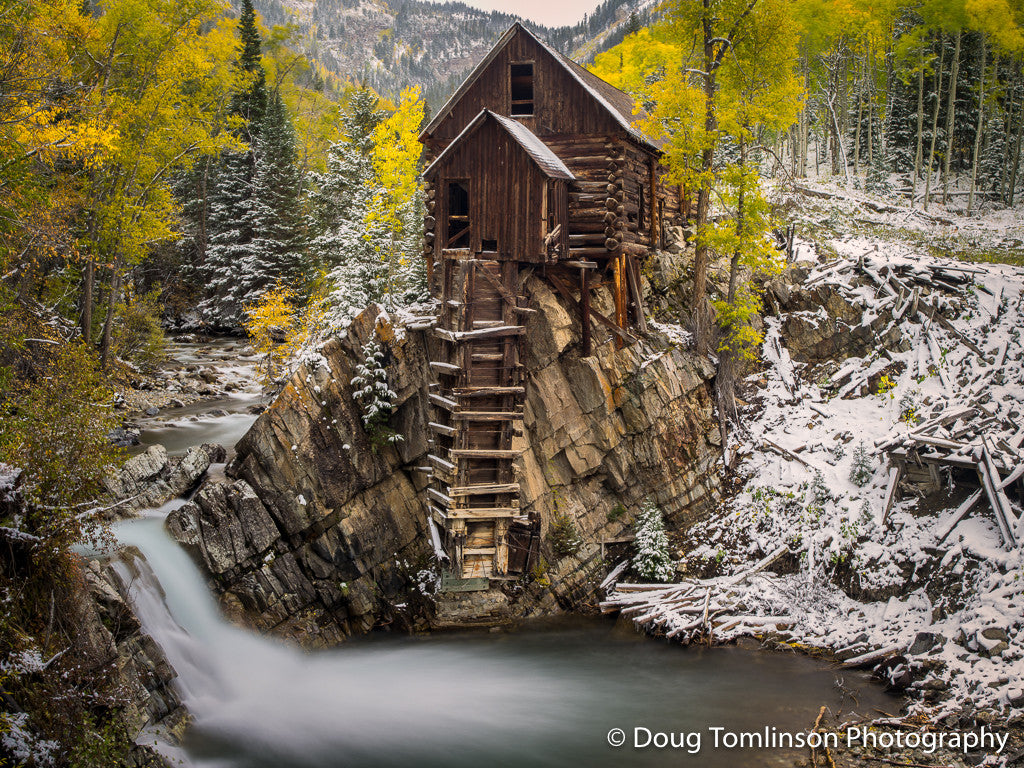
564,536
652,560
861,471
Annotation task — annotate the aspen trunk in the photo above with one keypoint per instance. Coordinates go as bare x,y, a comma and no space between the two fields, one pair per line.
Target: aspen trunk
935,124
108,322
1016,155
951,116
920,129
977,133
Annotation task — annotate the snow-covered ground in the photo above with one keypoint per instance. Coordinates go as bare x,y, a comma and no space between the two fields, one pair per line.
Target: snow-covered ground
814,472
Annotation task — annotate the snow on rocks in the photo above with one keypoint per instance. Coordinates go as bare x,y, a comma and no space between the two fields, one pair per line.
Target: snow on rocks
887,484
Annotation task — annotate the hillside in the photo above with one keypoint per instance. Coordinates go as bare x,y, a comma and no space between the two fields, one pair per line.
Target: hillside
390,45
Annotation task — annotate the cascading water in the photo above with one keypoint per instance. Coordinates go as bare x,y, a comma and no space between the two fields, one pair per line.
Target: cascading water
531,698
545,697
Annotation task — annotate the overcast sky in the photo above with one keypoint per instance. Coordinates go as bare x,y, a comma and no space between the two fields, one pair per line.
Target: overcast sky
550,13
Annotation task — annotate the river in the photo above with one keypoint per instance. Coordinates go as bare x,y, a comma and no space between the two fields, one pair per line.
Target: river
543,695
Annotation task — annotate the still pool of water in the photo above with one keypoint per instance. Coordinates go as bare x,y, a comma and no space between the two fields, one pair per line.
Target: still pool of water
545,695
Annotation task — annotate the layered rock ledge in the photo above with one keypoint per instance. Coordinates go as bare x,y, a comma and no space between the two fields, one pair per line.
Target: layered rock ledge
320,533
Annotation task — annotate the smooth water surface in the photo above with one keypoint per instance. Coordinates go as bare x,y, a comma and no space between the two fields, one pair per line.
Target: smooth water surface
537,697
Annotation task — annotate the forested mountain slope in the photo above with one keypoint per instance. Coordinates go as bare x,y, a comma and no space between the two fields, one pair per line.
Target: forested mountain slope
390,44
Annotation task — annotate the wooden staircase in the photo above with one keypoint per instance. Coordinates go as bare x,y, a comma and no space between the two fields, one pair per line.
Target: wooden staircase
473,495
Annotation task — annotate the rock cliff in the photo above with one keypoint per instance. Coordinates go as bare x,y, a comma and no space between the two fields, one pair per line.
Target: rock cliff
320,534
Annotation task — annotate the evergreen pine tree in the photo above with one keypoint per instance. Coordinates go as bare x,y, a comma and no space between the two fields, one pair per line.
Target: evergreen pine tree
275,253
230,209
877,181
251,102
653,561
343,244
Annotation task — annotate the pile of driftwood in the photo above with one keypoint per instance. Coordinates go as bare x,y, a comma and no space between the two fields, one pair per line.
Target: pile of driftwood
695,610
918,292
966,437
961,436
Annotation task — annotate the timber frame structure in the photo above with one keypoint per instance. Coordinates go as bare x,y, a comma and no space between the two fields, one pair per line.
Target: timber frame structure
534,163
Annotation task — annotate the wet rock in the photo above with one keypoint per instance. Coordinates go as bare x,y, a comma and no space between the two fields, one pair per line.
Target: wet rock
216,413
151,478
926,641
123,437
256,409
175,403
135,665
152,410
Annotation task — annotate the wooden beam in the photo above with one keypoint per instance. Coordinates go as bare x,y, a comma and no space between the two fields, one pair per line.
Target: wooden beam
440,497
890,494
483,490
442,463
483,453
633,278
482,333
585,312
487,391
620,307
560,287
443,402
444,367
442,429
487,415
948,523
482,513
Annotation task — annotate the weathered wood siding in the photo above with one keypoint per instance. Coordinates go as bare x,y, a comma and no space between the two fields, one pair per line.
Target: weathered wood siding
508,195
561,104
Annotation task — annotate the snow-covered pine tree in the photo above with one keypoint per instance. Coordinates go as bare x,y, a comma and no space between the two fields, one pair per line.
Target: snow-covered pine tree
652,560
877,181
275,254
861,471
229,223
376,399
342,245
229,234
250,102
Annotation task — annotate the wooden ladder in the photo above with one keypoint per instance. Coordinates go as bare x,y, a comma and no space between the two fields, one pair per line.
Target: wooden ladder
473,494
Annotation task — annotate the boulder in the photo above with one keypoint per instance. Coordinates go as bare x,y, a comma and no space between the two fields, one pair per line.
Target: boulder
152,478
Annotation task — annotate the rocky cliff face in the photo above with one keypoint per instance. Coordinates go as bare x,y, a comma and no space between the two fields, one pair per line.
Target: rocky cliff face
320,534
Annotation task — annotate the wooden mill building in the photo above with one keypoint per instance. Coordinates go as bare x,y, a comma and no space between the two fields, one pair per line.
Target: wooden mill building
533,162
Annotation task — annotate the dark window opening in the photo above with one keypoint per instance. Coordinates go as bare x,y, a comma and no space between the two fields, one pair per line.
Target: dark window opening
458,215
522,89
491,246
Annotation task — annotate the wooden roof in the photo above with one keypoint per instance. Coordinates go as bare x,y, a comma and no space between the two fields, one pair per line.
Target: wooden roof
541,154
620,105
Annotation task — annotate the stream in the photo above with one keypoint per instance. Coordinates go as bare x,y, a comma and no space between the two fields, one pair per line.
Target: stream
222,419
543,695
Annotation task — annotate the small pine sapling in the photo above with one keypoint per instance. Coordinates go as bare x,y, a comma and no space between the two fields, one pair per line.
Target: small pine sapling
564,536
376,399
652,560
861,471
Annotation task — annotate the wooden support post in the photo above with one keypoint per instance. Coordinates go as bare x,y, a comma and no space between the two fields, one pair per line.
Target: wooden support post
633,274
620,304
585,311
655,224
